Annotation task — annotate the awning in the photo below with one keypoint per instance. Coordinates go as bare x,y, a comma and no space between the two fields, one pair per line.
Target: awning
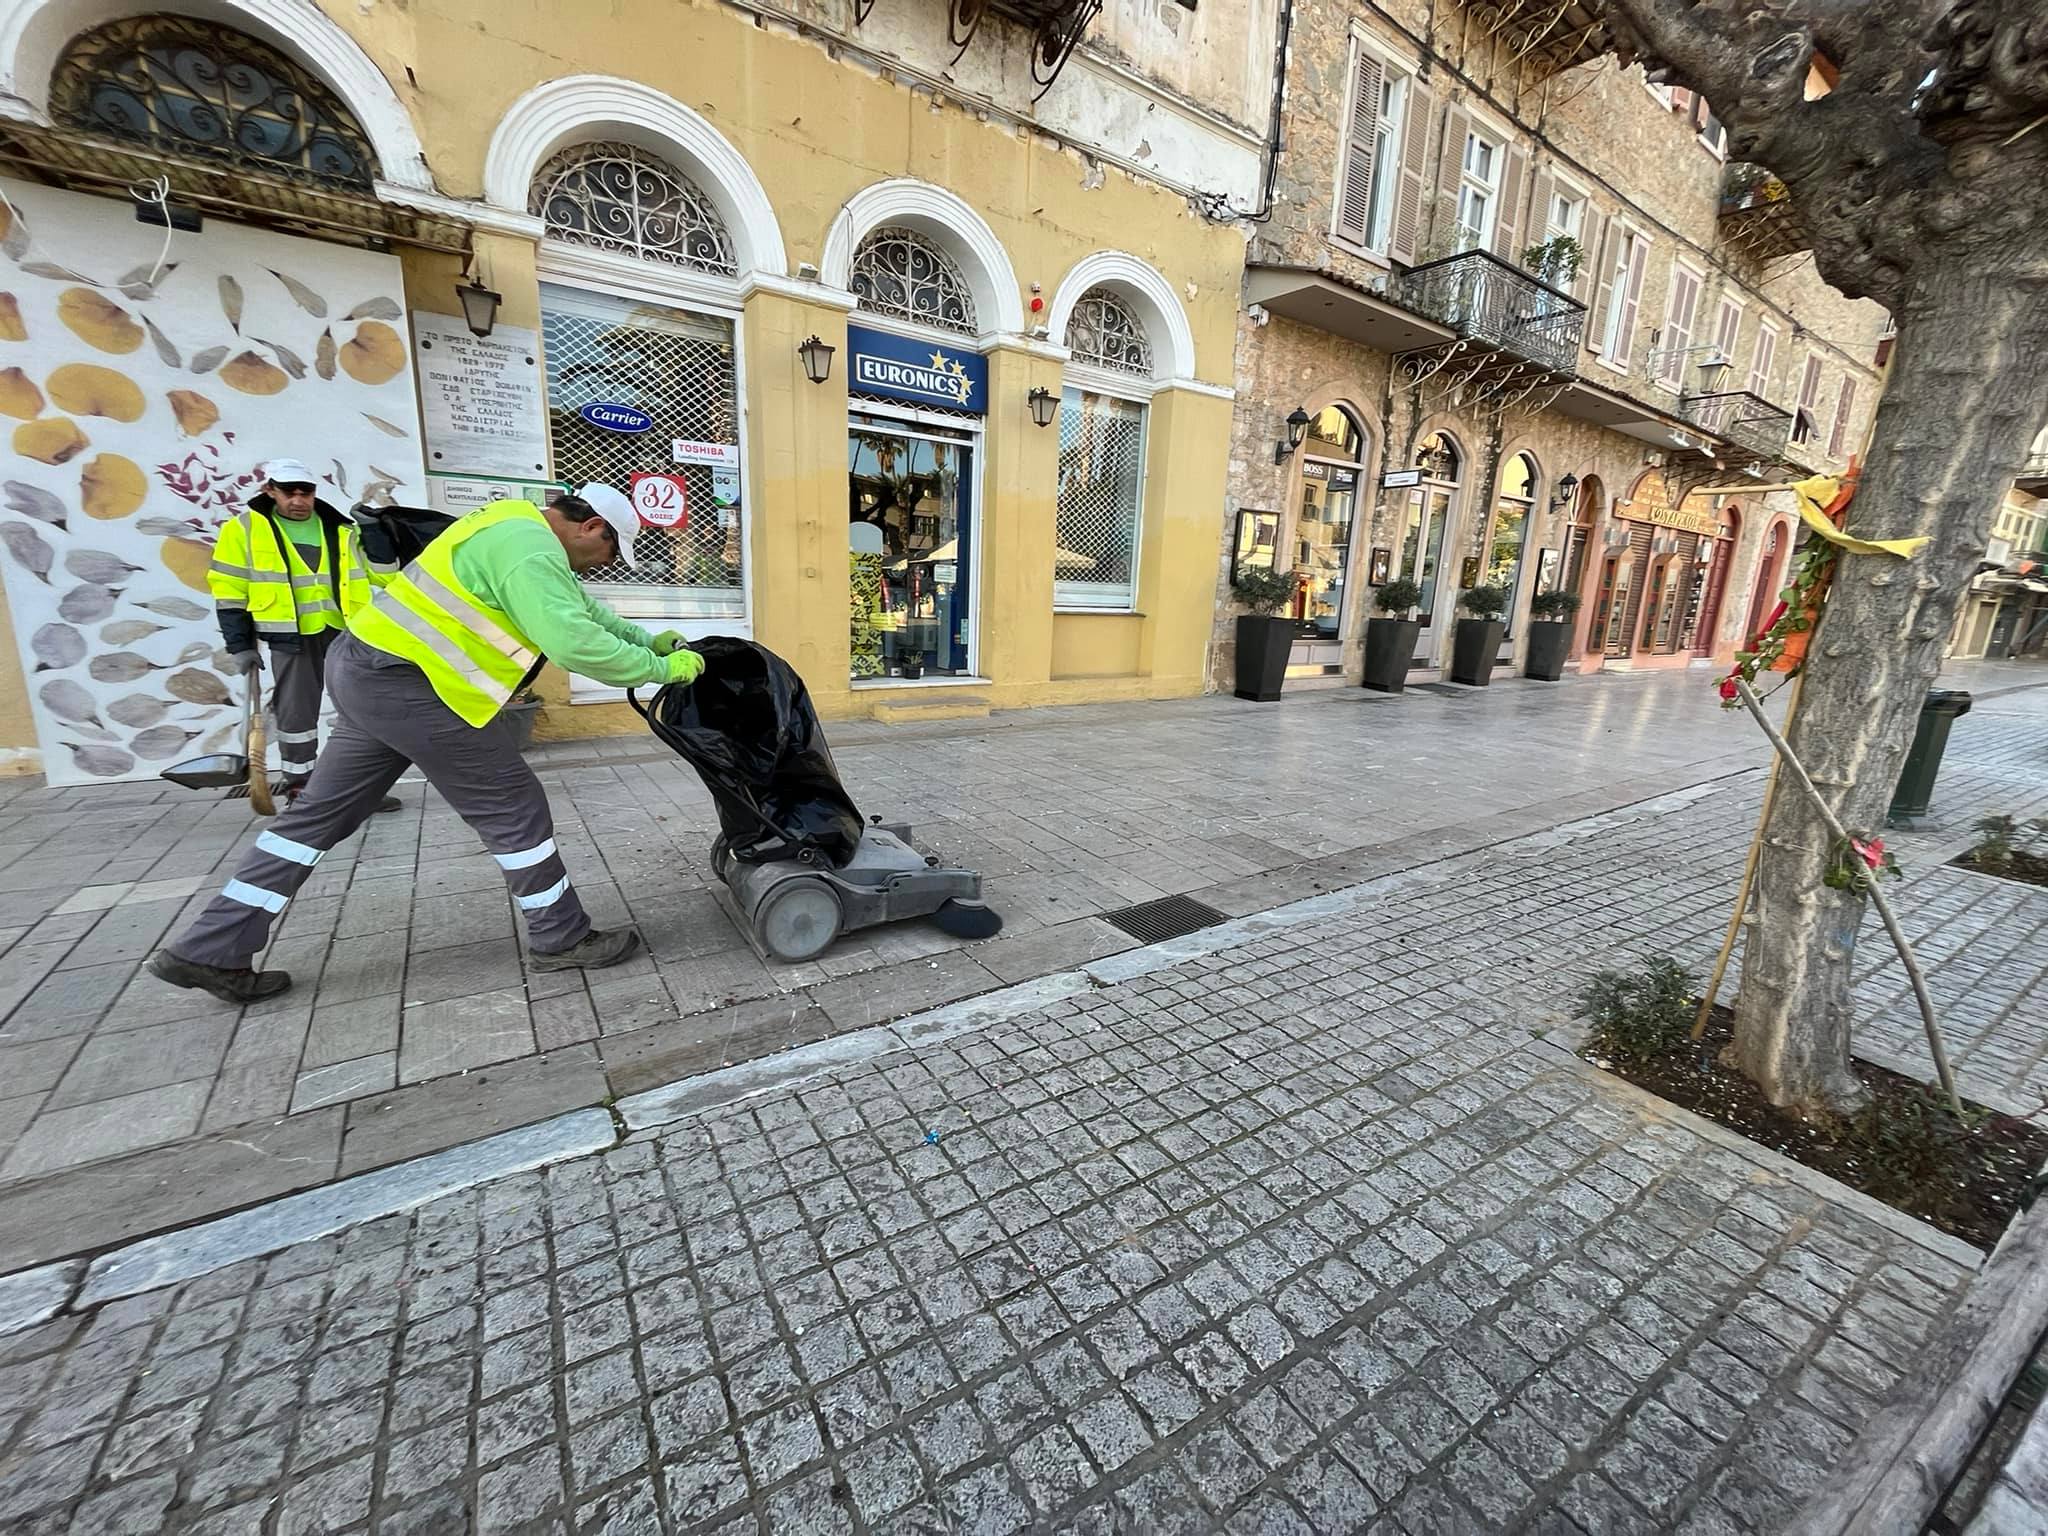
1584,400
1342,308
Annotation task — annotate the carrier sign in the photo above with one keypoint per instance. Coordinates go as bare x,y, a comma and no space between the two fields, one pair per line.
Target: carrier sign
916,372
614,417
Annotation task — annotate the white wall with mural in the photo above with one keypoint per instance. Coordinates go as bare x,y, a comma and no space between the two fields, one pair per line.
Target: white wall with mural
143,388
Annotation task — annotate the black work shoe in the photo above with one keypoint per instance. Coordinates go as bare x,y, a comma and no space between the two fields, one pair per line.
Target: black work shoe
238,986
593,952
389,804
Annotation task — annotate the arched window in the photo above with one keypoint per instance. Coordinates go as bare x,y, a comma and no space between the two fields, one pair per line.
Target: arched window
1332,460
1100,509
620,197
1514,511
195,89
900,272
1103,333
1432,506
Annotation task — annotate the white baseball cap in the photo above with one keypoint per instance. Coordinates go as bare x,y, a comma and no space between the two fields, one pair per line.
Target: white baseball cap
290,472
615,509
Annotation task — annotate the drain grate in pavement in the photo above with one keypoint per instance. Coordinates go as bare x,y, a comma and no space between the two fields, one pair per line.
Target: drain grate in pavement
241,791
1167,918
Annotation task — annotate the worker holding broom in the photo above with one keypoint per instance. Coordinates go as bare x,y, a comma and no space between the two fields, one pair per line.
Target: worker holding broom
420,678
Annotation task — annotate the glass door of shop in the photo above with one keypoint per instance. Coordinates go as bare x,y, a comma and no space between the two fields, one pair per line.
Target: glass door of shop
911,552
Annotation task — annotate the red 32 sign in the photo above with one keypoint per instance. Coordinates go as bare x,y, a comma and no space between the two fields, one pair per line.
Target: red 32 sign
663,501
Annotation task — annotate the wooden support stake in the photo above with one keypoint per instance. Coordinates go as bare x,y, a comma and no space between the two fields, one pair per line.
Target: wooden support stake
1875,890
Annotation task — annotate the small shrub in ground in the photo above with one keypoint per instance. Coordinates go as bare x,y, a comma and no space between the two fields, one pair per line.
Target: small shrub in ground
2000,837
1641,1014
1397,597
1912,1138
1264,591
1554,605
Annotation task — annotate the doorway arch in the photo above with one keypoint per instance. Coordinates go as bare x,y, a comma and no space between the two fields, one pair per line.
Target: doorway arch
1770,572
1433,509
1706,629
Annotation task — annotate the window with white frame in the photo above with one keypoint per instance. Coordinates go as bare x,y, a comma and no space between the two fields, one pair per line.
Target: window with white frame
1371,165
1624,303
1681,314
1565,218
1478,191
1100,504
1763,360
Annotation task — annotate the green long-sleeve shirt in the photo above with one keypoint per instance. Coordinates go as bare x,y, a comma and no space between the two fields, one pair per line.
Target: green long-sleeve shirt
520,568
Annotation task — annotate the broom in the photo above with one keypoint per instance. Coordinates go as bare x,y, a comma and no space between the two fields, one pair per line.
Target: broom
254,745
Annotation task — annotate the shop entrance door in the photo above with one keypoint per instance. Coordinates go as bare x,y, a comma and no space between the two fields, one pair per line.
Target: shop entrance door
911,549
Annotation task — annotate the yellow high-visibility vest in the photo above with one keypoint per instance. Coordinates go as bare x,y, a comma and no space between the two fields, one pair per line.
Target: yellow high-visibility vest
254,569
472,653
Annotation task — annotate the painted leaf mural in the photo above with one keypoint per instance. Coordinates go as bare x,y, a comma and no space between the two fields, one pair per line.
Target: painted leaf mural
126,464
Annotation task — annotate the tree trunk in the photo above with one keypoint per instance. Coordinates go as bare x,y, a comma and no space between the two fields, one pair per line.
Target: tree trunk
1964,399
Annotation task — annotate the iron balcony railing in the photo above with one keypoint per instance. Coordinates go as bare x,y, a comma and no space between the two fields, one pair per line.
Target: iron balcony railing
1736,416
1500,306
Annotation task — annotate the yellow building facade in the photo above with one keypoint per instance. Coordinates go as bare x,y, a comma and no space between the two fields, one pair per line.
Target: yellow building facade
1000,489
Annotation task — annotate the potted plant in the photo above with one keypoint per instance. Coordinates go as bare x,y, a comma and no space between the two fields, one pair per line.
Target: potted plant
1477,640
1263,637
1550,636
1390,638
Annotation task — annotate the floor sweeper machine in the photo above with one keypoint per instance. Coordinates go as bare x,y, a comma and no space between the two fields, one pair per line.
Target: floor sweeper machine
799,863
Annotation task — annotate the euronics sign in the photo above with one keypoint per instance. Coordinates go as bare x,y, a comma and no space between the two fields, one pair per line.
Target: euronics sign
916,372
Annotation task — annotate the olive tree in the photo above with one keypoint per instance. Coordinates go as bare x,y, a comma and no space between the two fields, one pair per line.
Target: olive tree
1919,179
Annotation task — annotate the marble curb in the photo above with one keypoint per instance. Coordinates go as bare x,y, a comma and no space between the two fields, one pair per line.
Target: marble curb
33,1296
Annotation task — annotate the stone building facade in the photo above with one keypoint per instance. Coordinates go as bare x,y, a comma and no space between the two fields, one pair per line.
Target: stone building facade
1592,432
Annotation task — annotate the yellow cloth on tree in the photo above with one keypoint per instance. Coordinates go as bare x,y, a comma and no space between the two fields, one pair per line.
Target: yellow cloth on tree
1813,498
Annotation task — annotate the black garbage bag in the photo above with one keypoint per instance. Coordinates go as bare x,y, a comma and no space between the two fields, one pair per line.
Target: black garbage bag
748,728
396,535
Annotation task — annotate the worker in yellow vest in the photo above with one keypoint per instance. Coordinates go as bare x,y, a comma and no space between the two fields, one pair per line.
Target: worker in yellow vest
421,678
289,572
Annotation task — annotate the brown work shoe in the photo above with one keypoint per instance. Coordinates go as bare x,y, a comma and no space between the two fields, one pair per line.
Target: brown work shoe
230,986
593,952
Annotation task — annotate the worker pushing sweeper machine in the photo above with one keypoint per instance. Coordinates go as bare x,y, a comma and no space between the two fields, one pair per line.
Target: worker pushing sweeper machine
798,862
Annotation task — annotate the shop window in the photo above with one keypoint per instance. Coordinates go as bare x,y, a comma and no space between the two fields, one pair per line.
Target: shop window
1101,500
1513,513
1102,332
1330,467
902,273
678,369
619,197
185,87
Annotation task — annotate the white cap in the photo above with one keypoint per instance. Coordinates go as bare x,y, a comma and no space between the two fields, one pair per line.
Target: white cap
290,472
615,509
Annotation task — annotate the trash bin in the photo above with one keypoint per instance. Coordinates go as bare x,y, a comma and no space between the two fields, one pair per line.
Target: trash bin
1923,761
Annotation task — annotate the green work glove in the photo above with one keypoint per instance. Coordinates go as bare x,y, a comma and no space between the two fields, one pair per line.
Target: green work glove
684,667
668,642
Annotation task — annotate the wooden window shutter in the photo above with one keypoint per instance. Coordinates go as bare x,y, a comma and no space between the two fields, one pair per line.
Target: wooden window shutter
1542,188
1631,303
1408,195
1845,403
1354,198
1603,274
1449,170
1507,224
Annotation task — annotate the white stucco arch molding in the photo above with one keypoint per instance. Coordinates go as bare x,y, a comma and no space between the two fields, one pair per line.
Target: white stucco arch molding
577,109
957,228
1150,295
33,34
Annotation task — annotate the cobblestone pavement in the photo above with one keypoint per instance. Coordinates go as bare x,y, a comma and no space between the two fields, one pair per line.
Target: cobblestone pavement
415,1026
1320,1232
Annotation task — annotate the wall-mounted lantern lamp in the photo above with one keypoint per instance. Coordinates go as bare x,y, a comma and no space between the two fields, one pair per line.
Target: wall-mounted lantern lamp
1044,405
1565,488
1297,429
817,356
479,305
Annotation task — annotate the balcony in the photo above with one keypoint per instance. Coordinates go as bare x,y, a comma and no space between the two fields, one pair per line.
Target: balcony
1758,215
1749,425
1499,308
2033,475
1545,37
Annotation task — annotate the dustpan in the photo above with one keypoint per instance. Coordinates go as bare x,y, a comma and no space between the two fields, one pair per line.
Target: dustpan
225,770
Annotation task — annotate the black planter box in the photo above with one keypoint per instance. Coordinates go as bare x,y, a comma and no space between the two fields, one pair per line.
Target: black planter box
1389,648
1262,647
1550,641
1473,649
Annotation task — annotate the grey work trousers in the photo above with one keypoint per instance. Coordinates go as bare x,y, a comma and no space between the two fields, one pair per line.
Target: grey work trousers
295,689
388,716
